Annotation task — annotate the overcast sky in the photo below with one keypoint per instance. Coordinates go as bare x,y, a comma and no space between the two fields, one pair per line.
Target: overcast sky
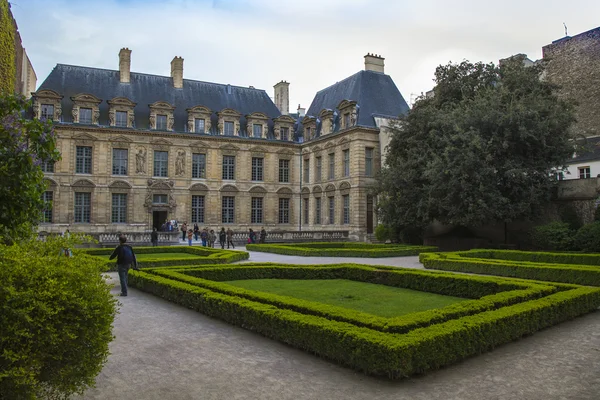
311,44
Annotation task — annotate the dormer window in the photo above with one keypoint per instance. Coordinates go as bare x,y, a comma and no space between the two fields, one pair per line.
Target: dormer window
161,122
228,128
346,120
121,119
257,130
310,127
199,124
199,119
285,134
349,112
120,112
282,127
47,112
85,115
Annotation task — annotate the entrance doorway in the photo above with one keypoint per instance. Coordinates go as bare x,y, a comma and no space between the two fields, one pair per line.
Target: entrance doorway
369,214
158,218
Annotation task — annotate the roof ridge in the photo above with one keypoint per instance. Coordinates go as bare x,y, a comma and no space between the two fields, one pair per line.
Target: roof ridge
161,76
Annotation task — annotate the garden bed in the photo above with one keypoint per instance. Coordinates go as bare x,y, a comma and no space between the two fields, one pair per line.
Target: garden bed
341,249
492,311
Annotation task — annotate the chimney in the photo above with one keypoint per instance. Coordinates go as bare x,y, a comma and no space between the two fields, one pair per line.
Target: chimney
282,97
374,62
301,111
124,64
177,72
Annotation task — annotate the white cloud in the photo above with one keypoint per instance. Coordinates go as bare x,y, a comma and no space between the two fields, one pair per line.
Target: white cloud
310,43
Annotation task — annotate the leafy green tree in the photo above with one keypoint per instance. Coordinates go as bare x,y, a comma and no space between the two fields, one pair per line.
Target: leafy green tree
24,145
482,150
56,316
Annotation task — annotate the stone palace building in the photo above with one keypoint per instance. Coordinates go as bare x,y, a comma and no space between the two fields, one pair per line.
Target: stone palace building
138,149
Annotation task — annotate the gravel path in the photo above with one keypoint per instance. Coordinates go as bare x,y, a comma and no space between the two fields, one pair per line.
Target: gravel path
163,351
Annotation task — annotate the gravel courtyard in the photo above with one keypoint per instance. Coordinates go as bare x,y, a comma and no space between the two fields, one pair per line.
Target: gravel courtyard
164,351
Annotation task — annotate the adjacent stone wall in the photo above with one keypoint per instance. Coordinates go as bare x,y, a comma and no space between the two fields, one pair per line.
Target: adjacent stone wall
573,63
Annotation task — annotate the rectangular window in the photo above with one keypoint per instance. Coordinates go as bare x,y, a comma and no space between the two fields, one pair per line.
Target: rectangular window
161,163
119,208
47,211
318,169
332,166
284,211
346,120
306,170
198,209
584,173
317,210
161,122
82,207
306,209
346,218
228,210
257,130
284,133
257,168
47,112
228,128
331,210
199,125
85,115
121,119
119,165
284,171
198,166
346,163
83,160
256,210
228,167
47,166
160,199
369,161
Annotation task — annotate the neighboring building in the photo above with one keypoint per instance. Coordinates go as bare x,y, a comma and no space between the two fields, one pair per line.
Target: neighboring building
25,79
586,160
139,149
573,63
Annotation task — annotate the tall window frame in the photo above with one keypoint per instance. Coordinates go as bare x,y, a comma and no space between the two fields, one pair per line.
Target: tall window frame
120,159
119,208
368,161
228,167
198,202
318,211
306,207
331,201
83,159
306,170
346,212
161,122
346,154
83,208
331,172
161,164
257,168
284,210
47,198
121,119
256,210
228,209
199,125
284,171
318,168
85,115
198,166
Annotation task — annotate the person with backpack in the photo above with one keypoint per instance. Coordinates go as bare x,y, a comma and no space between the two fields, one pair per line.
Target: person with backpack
222,237
125,260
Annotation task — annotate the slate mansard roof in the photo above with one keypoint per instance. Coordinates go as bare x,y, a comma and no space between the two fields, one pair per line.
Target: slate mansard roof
375,94
145,89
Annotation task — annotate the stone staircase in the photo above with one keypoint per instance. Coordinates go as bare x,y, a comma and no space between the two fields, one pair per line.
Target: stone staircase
372,239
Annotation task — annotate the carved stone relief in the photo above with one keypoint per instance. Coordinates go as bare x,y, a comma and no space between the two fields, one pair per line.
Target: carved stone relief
140,161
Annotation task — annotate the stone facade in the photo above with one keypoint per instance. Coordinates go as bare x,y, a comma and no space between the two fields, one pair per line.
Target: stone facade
131,163
573,63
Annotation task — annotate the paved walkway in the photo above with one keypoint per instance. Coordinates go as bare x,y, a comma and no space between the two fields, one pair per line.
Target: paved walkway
165,352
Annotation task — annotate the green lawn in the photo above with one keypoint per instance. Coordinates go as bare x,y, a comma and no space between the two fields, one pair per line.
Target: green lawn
143,257
381,300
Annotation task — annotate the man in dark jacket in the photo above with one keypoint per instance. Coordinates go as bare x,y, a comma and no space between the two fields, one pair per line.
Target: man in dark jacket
125,259
154,237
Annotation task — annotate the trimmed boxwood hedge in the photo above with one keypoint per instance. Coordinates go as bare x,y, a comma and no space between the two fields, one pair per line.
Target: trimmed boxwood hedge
341,249
205,256
369,350
494,292
501,263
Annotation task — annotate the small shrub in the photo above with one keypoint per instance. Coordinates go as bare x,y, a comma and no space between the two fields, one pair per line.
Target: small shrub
588,237
56,316
555,236
382,233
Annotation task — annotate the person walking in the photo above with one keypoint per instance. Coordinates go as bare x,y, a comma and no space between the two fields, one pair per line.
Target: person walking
125,259
263,235
196,232
183,231
230,238
154,237
212,238
190,235
222,237
251,236
204,237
